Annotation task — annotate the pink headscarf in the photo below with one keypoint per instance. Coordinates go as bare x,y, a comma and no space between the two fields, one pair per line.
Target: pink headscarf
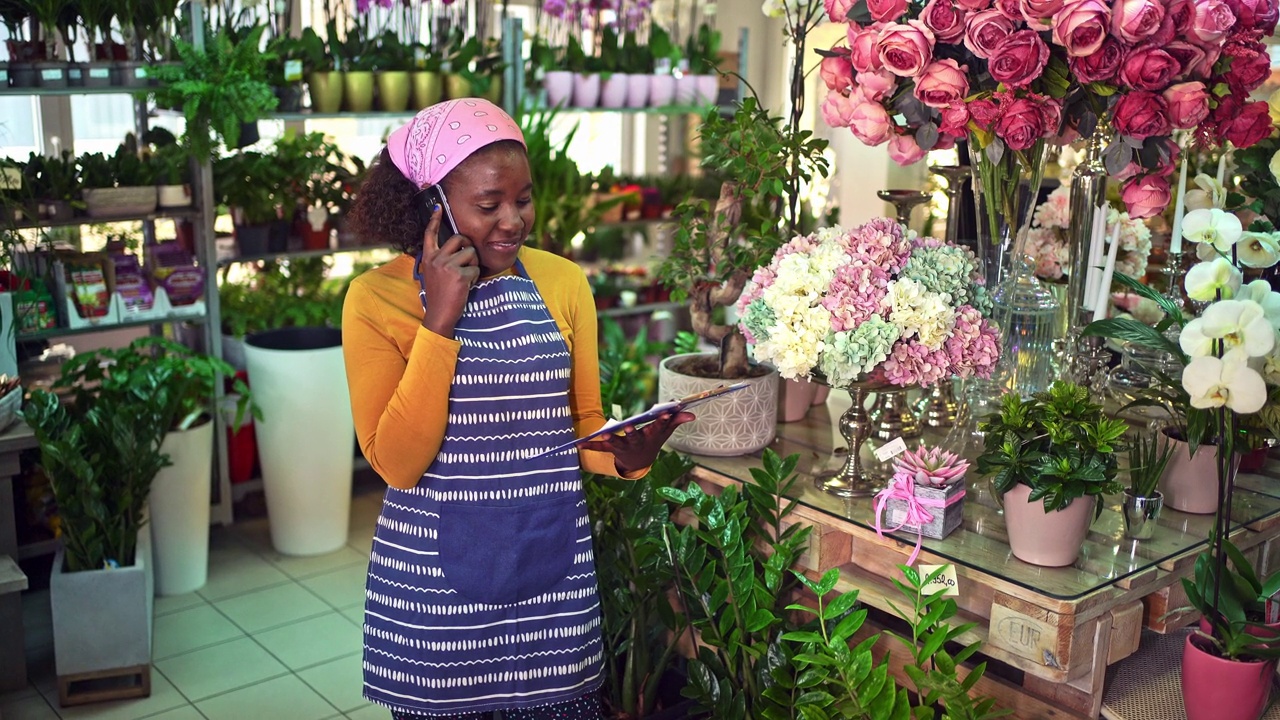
440,137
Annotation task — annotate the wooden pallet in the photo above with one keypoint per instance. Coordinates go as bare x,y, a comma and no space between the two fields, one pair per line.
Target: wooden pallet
103,685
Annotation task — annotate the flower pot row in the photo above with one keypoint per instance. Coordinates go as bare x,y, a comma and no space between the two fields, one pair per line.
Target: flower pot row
619,90
387,91
61,74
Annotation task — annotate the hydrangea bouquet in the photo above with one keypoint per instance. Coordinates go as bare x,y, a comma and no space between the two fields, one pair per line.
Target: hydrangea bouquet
1047,239
875,300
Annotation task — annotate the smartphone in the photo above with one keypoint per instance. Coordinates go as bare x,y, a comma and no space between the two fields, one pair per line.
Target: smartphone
427,200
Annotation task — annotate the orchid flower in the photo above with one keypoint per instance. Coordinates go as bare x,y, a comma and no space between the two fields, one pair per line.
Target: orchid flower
1214,382
1239,324
1260,292
1258,250
1206,279
1209,194
1274,165
1215,227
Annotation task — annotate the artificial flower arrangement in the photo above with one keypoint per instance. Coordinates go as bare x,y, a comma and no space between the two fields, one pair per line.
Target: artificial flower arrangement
875,300
925,495
1047,239
1012,74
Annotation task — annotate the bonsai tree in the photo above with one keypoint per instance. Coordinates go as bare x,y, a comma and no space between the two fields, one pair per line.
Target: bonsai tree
1057,443
101,450
717,248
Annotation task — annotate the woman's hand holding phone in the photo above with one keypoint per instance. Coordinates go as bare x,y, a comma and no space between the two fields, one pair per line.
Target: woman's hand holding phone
448,273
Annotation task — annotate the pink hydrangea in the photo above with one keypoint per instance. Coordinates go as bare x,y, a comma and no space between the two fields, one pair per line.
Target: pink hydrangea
798,244
855,293
761,279
974,345
927,241
883,241
911,363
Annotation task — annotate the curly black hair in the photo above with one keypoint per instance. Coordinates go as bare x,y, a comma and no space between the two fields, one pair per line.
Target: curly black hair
385,209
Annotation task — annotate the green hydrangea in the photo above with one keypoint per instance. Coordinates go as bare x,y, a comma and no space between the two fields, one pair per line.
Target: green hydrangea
943,269
758,318
980,299
848,355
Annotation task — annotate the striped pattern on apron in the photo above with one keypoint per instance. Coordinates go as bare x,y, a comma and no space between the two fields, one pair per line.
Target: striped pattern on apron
481,592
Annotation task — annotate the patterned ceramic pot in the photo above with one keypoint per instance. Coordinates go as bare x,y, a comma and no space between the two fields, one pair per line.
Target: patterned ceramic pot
737,424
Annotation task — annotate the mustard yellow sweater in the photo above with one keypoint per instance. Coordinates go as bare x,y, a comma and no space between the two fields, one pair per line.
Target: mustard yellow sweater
400,373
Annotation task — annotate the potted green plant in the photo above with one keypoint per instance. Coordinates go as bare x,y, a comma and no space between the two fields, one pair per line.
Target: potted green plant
20,70
461,52
96,17
393,63
428,83
50,72
309,164
249,184
1051,458
701,83
55,184
666,56
171,167
358,53
324,77
287,57
120,185
1148,458
636,61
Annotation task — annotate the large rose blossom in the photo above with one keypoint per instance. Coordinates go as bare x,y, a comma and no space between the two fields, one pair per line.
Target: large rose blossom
1188,104
838,10
1252,124
1146,196
942,84
1011,9
837,72
1101,66
1148,68
886,11
944,19
1213,20
1081,26
985,112
1183,14
904,150
1141,115
974,6
876,86
1250,65
863,53
1019,59
1022,123
1135,20
905,50
1189,57
837,109
1260,15
1037,12
985,30
955,120
870,123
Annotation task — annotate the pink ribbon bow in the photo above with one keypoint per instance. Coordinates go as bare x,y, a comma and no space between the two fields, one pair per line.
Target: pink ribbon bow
917,515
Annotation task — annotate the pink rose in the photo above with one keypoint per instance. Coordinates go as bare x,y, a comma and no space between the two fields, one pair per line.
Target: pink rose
904,150
886,10
838,10
1011,9
1146,196
1183,14
942,84
1188,104
1133,169
1036,12
863,52
955,120
837,72
1189,58
878,85
1163,34
1135,20
1148,68
944,19
1212,21
837,109
1021,124
1250,125
1141,114
984,112
984,31
974,6
1100,66
870,123
906,49
1019,59
1250,65
1081,26
1258,15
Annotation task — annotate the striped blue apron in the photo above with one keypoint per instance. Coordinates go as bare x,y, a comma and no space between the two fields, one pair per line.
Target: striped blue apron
481,592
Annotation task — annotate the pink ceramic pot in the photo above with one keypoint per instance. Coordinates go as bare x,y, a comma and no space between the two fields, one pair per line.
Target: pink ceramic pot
559,87
795,399
1190,483
1214,688
586,90
1047,539
613,91
687,90
662,90
820,397
708,89
638,90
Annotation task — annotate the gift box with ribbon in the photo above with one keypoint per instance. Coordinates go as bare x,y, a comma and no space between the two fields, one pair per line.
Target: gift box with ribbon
925,496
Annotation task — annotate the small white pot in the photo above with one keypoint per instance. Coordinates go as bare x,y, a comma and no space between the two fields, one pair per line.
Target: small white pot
174,196
638,90
586,90
613,92
687,90
559,87
708,89
662,90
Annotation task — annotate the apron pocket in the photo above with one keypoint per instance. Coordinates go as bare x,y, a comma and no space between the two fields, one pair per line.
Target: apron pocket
499,555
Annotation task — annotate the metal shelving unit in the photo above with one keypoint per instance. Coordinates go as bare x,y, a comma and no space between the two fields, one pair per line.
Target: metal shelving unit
299,254
172,214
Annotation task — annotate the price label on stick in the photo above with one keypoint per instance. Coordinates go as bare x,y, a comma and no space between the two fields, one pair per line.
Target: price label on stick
891,450
946,580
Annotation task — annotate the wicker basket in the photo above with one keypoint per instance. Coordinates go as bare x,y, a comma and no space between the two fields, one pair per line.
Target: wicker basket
120,201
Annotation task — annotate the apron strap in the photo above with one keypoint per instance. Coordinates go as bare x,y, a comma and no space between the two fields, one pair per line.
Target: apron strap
422,287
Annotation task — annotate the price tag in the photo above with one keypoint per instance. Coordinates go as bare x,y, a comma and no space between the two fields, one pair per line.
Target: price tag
4,77
99,73
10,178
946,580
709,10
891,450
292,70
140,73
51,74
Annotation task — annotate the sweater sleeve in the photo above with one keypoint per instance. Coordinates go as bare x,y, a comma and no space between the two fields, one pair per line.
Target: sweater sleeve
400,404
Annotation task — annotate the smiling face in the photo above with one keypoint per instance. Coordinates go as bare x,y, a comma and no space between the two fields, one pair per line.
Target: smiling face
491,195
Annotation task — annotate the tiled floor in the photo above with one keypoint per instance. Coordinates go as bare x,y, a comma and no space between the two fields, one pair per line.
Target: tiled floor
268,638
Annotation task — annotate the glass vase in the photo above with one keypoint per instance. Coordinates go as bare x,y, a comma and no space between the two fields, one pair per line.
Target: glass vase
1088,191
1006,185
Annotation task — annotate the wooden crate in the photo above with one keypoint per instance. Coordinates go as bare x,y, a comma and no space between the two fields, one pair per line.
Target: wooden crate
92,687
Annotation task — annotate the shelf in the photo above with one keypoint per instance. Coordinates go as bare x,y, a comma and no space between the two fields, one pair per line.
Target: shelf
298,254
108,90
307,115
645,309
64,332
174,214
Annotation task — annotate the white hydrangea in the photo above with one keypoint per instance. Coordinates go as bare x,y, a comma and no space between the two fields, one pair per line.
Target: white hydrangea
795,341
918,312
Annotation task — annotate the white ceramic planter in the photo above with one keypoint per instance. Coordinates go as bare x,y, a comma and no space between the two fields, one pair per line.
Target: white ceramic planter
708,89
638,90
737,424
559,87
662,90
687,90
102,618
586,90
173,196
180,511
613,92
305,437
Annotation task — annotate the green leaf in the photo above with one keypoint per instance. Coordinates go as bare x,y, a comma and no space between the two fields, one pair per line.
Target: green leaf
759,620
840,605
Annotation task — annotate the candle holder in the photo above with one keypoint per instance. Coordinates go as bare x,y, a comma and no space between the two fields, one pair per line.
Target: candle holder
894,417
940,407
904,201
852,480
1173,274
955,176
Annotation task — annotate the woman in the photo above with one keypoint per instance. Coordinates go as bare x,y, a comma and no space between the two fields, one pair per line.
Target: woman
467,358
